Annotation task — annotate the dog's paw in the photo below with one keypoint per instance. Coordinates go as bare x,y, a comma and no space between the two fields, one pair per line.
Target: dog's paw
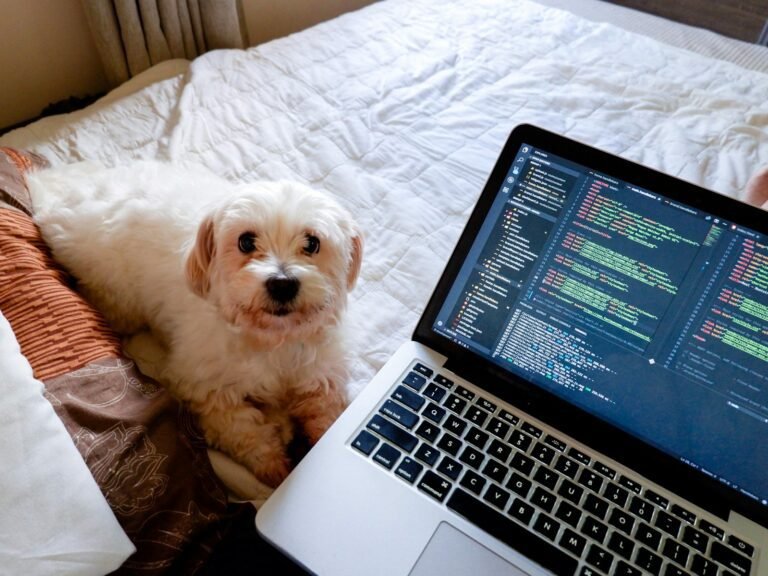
315,427
273,472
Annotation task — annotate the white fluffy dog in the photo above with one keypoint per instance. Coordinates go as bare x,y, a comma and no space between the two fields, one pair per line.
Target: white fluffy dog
243,285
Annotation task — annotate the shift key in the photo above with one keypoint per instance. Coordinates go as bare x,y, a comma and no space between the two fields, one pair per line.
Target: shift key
393,433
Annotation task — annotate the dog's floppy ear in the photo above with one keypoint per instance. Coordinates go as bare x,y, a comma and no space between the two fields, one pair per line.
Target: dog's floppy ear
199,259
355,260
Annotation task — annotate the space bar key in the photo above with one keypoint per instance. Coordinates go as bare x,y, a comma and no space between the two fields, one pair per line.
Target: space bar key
511,533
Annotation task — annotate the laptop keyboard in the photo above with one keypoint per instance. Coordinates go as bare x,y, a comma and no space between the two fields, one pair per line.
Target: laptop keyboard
530,489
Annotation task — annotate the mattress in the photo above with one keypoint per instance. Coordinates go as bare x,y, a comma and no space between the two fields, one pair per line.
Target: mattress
400,110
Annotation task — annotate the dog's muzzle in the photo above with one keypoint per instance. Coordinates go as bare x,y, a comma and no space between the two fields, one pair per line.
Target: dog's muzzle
282,289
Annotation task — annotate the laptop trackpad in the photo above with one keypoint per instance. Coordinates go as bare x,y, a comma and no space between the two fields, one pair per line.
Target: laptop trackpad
450,552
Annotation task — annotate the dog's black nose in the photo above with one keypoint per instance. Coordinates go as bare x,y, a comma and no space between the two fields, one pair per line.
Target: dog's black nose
282,289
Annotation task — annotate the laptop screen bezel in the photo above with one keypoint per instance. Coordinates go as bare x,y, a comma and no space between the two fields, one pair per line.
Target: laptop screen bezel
647,460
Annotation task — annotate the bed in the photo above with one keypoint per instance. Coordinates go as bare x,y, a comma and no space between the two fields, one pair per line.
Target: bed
399,110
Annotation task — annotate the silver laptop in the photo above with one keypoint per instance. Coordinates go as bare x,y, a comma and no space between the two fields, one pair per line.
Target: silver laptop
585,393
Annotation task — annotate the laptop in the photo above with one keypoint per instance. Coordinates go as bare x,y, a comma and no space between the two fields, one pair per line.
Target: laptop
585,393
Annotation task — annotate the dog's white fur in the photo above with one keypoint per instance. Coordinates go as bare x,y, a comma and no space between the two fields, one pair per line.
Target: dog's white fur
157,247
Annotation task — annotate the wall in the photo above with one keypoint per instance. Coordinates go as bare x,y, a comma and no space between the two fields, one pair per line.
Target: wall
47,54
266,22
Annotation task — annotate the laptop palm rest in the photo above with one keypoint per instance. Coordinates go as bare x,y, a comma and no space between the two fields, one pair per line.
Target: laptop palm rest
450,552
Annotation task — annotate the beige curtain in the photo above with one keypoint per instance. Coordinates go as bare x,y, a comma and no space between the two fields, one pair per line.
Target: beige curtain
132,35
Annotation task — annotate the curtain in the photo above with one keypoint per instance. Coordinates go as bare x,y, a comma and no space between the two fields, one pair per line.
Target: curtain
132,35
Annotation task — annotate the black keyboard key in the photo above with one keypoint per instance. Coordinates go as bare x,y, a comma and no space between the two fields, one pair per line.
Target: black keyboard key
522,511
443,381
600,558
409,469
630,484
570,491
648,536
534,547
566,466
408,397
450,444
615,494
365,442
543,499
415,381
520,441
681,512
531,429
455,425
641,508
473,481
477,437
497,496
594,529
606,471
434,392
657,499
731,559
596,506
399,414
695,539
471,457
546,526
522,463
428,430
591,480
568,513
519,484
455,403
648,561
675,551
703,567
579,456
667,523
393,433
711,529
543,453
450,467
546,477
499,450
387,455
509,418
434,412
486,405
621,545
740,545
427,454
621,520
434,485
465,393
556,443
624,569
573,542
498,428
496,471
424,370
476,415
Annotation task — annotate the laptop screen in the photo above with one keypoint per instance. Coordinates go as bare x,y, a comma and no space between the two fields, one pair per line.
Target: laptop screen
646,312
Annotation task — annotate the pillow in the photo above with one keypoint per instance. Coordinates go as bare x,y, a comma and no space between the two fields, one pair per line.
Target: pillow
141,446
46,485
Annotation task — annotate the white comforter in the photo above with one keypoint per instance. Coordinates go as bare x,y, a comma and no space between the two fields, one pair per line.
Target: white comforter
400,110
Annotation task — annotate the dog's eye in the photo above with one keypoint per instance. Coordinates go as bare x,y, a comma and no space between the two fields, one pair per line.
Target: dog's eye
311,245
246,243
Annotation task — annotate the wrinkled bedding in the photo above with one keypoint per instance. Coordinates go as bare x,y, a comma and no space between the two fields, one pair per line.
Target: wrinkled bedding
400,110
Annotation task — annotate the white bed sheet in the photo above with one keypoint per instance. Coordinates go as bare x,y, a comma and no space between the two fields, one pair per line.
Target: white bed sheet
400,110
